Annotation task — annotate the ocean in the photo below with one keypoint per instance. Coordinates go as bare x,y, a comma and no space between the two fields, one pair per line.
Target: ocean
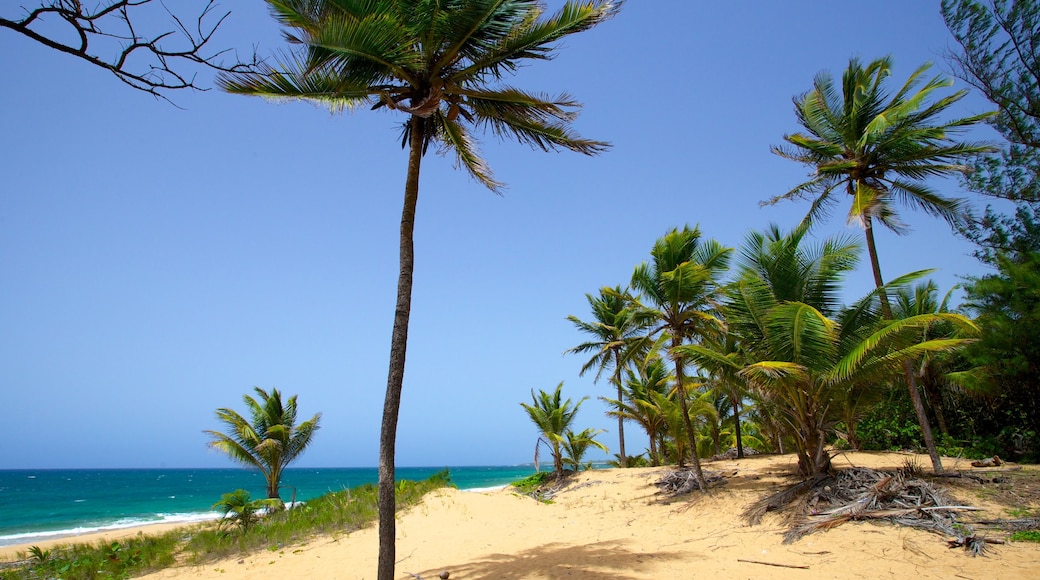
52,503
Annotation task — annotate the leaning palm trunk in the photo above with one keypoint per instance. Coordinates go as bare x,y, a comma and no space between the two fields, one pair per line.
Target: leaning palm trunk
398,347
687,424
908,371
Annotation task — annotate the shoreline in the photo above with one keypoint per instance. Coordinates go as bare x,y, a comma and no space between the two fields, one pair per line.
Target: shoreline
616,523
10,552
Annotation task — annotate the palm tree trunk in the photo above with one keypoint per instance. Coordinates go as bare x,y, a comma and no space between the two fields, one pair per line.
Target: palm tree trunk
908,371
620,420
398,347
736,421
690,433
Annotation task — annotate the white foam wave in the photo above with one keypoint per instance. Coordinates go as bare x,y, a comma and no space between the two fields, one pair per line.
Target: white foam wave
172,518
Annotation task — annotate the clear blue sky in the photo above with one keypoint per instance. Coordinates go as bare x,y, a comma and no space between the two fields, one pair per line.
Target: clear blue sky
157,263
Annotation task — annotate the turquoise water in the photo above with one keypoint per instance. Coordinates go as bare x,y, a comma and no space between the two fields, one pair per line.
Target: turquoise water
48,503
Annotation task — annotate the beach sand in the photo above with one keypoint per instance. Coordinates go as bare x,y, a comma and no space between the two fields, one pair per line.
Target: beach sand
614,524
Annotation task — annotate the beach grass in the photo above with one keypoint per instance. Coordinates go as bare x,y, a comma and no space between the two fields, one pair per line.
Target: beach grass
333,514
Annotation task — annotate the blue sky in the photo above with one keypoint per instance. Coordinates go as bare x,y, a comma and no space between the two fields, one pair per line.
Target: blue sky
159,262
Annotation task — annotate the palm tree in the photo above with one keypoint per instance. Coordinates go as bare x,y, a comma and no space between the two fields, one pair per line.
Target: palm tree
878,150
726,378
638,403
617,331
680,284
270,440
576,445
553,417
803,351
439,64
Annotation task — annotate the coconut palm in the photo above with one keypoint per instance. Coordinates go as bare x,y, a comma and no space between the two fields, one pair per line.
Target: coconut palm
639,406
553,416
878,150
803,351
677,289
726,378
617,331
270,439
576,445
438,64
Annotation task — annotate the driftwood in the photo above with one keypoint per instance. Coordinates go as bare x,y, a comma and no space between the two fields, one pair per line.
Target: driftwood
858,494
773,564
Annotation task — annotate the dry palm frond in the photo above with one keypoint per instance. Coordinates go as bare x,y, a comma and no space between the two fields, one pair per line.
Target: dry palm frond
867,494
684,481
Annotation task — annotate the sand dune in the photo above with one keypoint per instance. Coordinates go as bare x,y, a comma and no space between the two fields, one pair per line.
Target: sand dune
615,524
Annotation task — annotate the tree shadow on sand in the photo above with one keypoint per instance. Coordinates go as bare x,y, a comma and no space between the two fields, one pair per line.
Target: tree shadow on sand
603,560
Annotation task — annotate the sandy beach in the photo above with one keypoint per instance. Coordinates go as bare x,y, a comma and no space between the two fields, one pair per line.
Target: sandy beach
616,524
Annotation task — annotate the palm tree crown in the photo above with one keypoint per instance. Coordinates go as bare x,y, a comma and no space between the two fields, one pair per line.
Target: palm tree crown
437,62
879,148
270,439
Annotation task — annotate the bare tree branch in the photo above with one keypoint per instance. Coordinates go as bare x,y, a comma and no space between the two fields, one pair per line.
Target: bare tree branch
152,62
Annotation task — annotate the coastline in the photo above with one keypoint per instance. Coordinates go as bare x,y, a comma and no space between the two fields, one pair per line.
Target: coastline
10,552
615,523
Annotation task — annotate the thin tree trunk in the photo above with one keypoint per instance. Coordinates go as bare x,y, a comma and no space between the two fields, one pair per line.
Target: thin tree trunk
398,347
620,420
908,371
736,421
690,433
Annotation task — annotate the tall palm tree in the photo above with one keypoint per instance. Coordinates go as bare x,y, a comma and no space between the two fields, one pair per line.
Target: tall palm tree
679,285
269,440
617,330
439,64
553,416
638,403
878,150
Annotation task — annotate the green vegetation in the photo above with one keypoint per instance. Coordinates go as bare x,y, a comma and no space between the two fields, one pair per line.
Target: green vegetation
335,513
532,482
553,416
440,64
238,509
1025,536
270,440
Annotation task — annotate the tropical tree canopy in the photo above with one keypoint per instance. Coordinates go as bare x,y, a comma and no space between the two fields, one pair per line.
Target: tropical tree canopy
270,439
439,63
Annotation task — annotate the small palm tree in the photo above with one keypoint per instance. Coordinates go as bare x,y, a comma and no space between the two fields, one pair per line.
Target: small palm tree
553,416
239,509
576,445
270,440
878,149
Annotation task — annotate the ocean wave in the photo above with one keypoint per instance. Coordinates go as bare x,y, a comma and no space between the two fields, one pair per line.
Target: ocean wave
124,523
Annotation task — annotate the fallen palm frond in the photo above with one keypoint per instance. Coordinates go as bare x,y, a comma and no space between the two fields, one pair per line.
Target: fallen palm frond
684,481
858,494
